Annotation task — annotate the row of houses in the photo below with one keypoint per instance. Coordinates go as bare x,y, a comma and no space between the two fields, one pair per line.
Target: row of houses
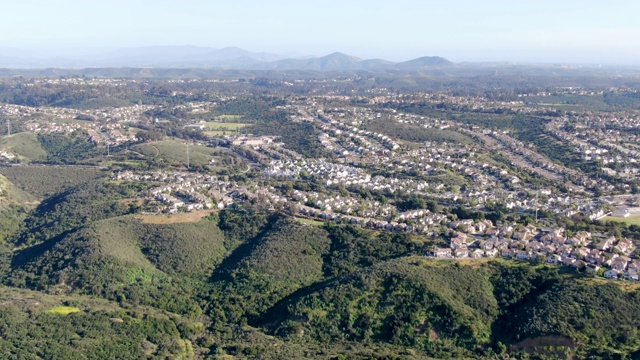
607,256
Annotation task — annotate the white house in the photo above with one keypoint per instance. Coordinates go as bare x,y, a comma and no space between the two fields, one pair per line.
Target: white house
611,274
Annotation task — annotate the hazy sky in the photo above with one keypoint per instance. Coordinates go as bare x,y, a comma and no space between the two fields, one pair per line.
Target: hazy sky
585,31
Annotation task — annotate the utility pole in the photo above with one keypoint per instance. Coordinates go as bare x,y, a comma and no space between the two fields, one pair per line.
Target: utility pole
107,148
537,192
8,127
187,155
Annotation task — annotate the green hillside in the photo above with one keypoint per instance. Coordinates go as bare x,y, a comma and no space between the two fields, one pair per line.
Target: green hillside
68,148
191,249
285,257
121,258
14,206
72,208
99,330
320,291
24,145
43,181
405,302
446,309
601,317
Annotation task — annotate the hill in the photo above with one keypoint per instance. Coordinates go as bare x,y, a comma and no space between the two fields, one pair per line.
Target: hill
328,290
14,206
402,302
24,145
599,317
187,59
68,149
425,61
446,309
121,258
335,61
342,62
283,258
74,207
44,181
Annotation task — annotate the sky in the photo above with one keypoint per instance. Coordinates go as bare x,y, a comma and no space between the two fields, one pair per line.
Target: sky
524,31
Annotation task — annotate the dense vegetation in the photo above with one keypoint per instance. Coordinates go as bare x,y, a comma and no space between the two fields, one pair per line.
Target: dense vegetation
121,259
44,181
32,328
299,137
321,291
269,267
67,149
15,204
414,133
72,208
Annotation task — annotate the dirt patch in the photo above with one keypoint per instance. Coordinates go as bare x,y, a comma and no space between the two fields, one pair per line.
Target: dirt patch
627,286
132,201
549,345
189,217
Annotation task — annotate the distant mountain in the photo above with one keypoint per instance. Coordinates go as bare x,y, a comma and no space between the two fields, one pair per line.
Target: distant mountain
230,58
149,56
233,53
183,56
159,51
425,61
335,61
375,64
340,61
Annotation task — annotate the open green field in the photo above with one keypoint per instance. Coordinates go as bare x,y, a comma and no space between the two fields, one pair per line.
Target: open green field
631,220
231,126
25,145
309,221
174,152
227,117
223,126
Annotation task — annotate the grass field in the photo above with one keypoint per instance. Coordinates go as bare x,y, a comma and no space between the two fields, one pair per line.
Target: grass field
189,217
25,145
227,117
175,152
631,220
63,310
310,222
226,125
214,128
36,301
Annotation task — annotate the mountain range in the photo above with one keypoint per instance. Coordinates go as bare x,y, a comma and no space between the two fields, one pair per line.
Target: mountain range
204,57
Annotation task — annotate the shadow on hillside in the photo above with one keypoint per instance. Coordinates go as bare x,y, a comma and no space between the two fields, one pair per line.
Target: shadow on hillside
223,271
27,255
